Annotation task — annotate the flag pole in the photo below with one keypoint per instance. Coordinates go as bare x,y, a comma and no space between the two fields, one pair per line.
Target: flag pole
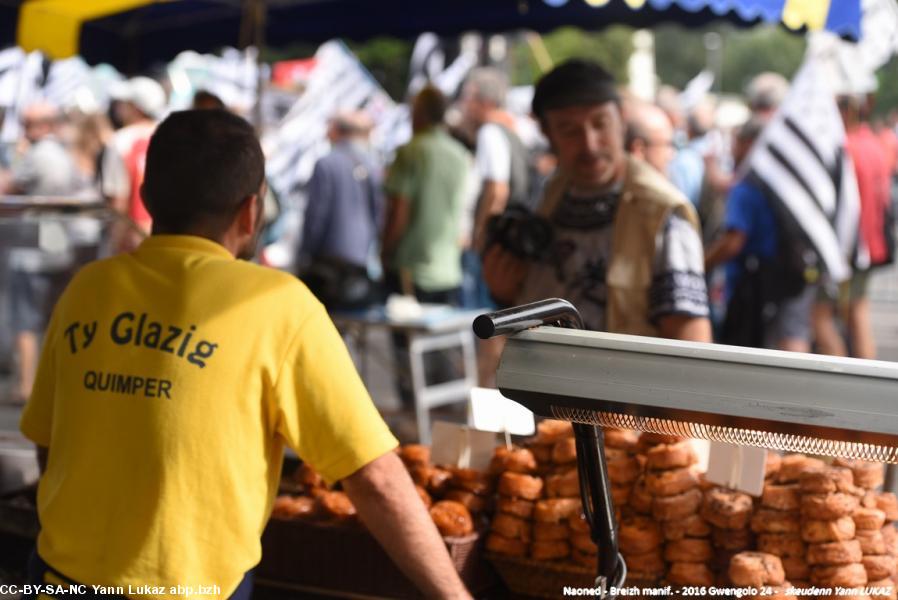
539,51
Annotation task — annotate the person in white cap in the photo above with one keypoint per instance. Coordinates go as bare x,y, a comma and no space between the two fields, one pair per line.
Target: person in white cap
140,103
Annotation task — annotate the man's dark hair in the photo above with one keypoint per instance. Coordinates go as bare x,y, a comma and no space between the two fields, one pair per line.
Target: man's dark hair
431,105
576,82
201,165
208,100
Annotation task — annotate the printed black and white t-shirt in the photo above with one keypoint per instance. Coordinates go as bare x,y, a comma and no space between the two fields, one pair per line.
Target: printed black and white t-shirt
574,267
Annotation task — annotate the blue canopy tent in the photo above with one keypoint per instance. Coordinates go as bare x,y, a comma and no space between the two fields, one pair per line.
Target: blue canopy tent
134,34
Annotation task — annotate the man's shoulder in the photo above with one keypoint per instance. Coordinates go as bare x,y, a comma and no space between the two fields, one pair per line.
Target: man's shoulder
259,277
689,157
456,148
648,186
439,141
335,159
746,190
491,135
252,277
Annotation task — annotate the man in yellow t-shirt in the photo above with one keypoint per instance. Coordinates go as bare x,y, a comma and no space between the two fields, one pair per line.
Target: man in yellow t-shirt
173,376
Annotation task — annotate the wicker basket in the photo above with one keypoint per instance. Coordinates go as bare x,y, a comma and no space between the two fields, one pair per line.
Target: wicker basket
345,558
540,579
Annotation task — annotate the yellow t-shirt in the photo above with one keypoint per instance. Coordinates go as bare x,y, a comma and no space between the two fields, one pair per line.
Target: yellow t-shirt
170,381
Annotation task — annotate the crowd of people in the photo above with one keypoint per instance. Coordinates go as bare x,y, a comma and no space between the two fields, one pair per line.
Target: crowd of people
476,211
138,480
474,217
76,156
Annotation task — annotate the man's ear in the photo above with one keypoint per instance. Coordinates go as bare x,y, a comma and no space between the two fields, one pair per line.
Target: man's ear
637,148
544,128
249,215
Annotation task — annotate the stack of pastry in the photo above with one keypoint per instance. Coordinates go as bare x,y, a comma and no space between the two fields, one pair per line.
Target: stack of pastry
511,524
624,467
641,544
761,571
556,453
829,498
676,503
548,433
878,558
782,502
772,465
777,522
639,535
512,528
879,547
559,530
729,513
867,475
472,488
553,534
676,498
430,481
875,532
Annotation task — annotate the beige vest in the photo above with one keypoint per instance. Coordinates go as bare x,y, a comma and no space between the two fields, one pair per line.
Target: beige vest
647,199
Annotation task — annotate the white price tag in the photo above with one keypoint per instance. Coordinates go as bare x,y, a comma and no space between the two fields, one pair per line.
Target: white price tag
461,446
491,411
737,467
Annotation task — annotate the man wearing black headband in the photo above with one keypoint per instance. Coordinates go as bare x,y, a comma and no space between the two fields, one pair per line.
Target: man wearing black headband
624,244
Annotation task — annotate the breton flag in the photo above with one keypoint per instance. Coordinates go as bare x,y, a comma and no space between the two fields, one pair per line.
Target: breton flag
339,82
800,159
428,65
29,77
852,66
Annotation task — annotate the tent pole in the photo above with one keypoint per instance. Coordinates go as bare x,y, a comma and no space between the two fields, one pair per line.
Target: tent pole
252,33
260,15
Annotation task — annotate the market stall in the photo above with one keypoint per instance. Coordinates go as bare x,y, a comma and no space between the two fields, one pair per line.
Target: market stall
133,35
522,518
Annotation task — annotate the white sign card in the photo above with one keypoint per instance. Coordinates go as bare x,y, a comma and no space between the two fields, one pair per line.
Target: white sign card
737,467
489,410
461,446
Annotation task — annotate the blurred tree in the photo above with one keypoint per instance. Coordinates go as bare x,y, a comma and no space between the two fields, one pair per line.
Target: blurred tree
680,54
388,60
611,47
748,52
887,96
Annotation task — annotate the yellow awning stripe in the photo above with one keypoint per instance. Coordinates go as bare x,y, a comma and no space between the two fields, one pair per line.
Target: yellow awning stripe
54,26
810,13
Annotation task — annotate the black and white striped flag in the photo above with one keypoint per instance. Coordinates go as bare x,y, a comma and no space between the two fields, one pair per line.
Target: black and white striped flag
800,160
852,66
29,77
339,82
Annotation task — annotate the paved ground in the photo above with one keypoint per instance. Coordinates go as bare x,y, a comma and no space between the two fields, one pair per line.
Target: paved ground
884,296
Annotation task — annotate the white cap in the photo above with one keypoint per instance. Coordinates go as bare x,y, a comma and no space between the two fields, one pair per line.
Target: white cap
145,93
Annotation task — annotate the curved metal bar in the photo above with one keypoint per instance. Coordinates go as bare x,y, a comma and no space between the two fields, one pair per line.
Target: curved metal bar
518,318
